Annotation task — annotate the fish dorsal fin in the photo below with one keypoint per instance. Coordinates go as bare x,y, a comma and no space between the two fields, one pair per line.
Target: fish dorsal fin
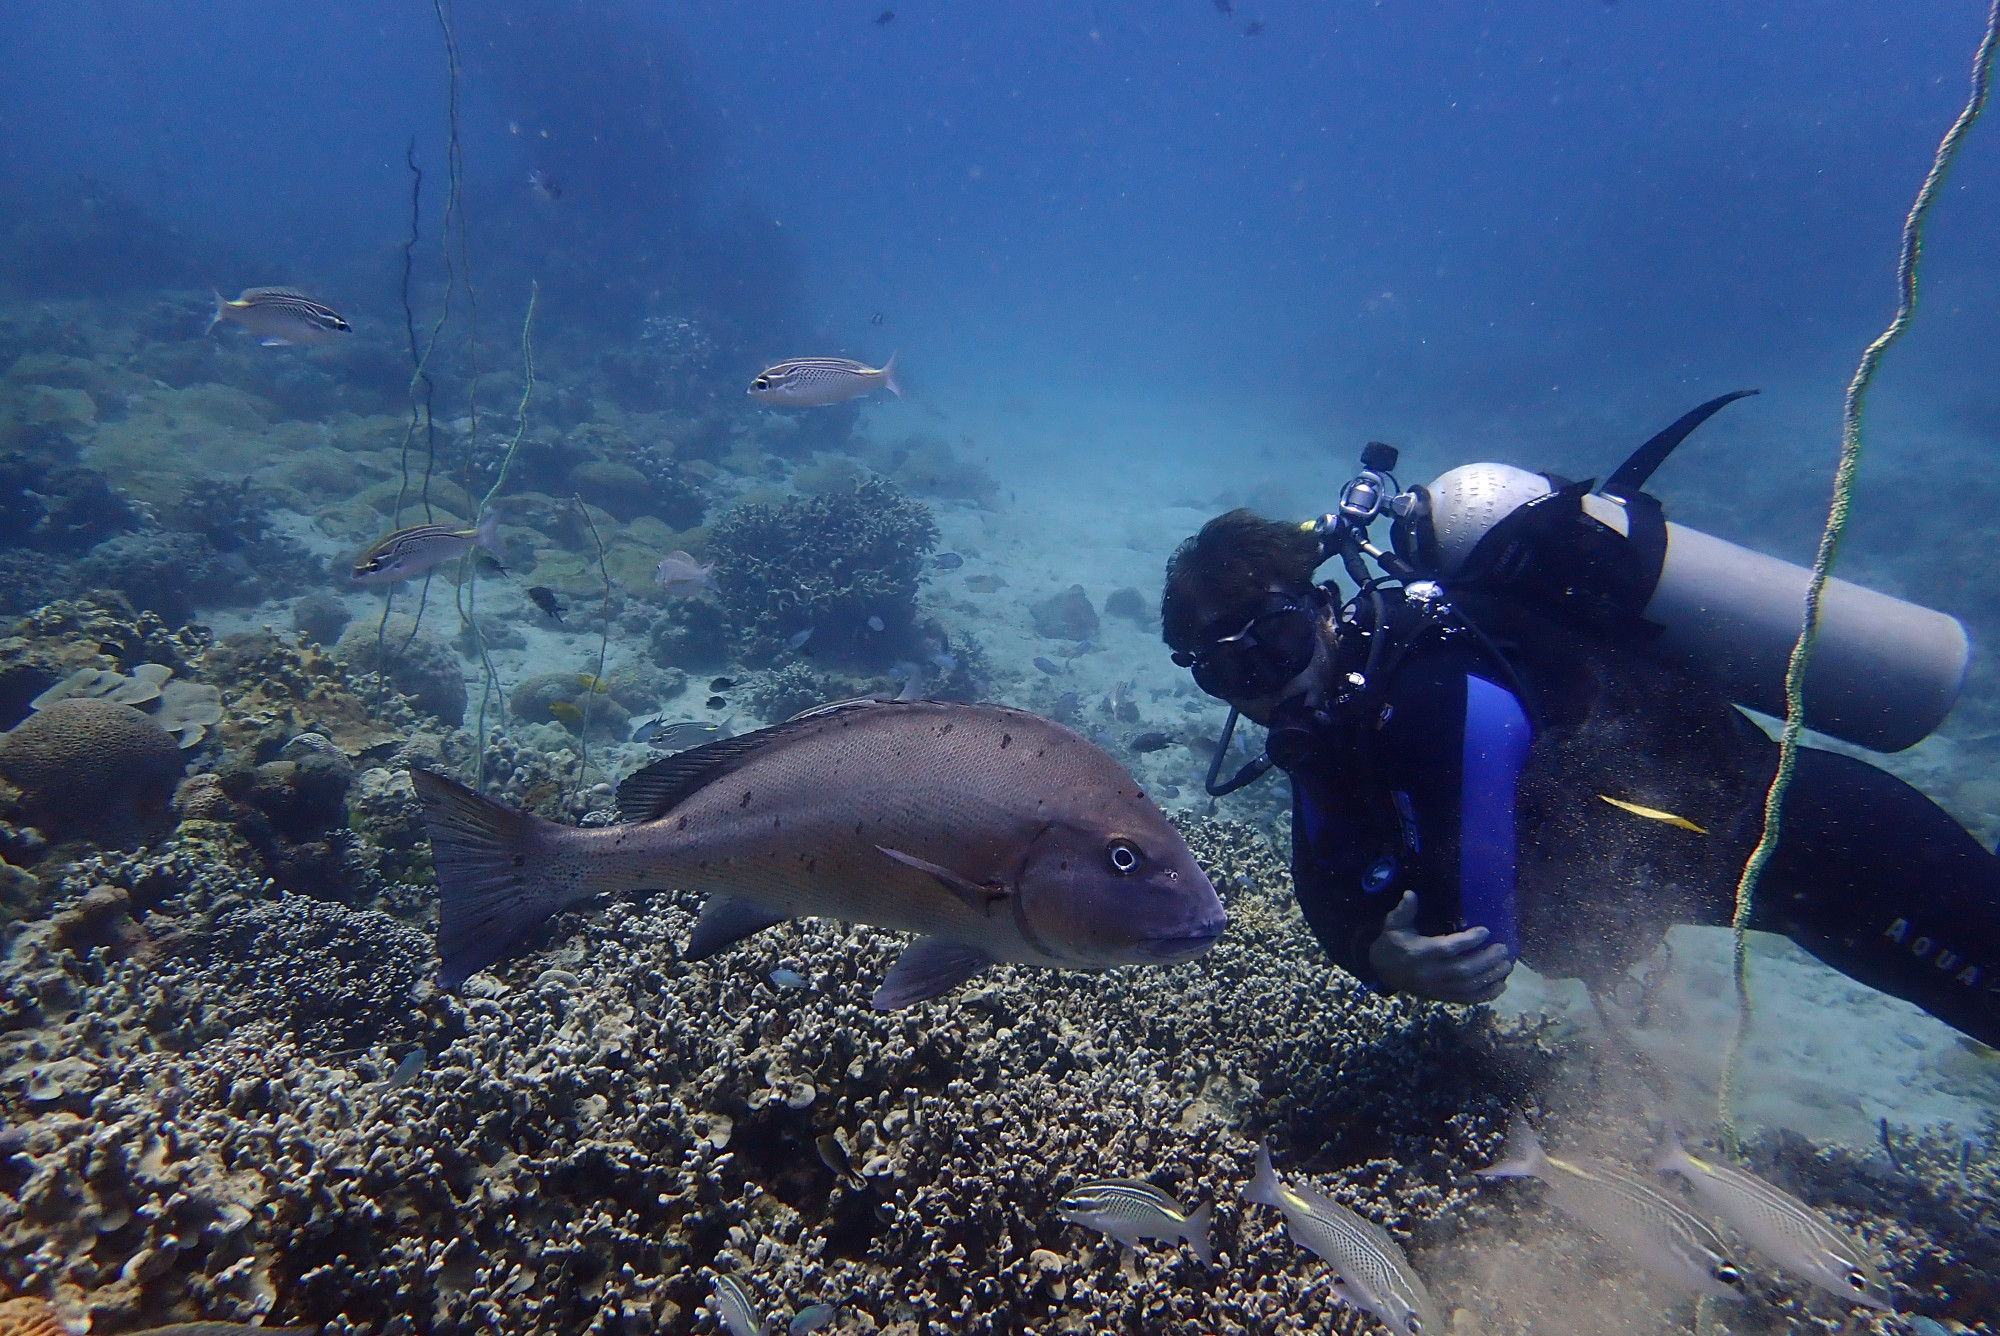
250,294
836,706
660,787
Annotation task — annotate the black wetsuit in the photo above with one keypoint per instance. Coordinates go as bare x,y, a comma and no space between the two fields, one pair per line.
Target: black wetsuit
1404,789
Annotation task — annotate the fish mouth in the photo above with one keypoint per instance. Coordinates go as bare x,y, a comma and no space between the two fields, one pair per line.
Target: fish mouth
1183,945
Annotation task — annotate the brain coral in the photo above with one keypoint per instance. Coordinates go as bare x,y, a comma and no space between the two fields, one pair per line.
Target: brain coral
92,766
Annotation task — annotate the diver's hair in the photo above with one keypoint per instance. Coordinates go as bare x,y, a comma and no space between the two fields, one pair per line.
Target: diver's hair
1231,564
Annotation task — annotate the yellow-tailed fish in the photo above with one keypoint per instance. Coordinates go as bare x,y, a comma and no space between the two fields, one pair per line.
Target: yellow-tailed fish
1661,1234
412,551
1128,1210
566,712
1780,1226
595,685
1370,1271
1654,814
280,316
807,382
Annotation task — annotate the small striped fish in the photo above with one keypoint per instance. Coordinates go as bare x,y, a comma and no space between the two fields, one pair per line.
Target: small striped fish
1370,1271
734,1307
1780,1226
807,382
1128,1210
1664,1236
280,316
411,552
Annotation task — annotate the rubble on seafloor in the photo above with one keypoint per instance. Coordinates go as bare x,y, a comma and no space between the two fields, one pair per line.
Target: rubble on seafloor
230,1103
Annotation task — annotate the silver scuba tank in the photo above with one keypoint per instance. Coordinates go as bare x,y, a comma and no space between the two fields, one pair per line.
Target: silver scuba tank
1884,673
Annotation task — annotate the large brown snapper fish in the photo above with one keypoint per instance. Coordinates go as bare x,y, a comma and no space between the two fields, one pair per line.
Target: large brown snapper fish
994,834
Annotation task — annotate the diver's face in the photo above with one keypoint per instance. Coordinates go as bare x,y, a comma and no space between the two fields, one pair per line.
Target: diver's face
1259,658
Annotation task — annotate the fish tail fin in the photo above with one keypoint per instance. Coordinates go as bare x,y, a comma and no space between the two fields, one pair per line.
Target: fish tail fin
1196,1234
487,533
1523,1156
1265,1189
221,312
494,881
889,381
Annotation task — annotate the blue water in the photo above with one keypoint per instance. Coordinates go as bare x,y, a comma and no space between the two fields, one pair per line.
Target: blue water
1426,218
1141,259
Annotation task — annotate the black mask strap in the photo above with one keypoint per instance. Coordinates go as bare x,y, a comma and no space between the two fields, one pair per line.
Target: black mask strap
1251,772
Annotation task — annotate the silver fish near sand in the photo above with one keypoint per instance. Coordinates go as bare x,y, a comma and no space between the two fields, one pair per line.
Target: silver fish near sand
1779,1225
280,316
676,737
739,1318
1664,1236
1127,1211
682,576
1370,1271
994,835
410,552
810,382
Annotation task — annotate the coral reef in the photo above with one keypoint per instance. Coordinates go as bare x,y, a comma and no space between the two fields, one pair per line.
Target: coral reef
48,502
59,639
1066,615
598,1127
164,571
229,515
783,692
1130,604
31,579
92,767
565,699
412,659
829,562
320,618
185,709
274,691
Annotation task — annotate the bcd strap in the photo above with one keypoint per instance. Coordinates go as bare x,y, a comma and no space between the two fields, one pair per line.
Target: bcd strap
1552,555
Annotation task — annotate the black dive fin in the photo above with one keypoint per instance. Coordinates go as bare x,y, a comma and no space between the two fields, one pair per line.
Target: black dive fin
928,967
492,883
724,922
979,898
1630,476
661,786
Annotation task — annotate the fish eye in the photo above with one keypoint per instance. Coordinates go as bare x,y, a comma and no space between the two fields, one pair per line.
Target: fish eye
1858,1282
761,383
1124,857
1414,1323
1728,1274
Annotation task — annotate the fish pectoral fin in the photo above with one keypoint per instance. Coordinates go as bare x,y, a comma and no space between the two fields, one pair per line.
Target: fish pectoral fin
979,897
276,343
928,967
724,922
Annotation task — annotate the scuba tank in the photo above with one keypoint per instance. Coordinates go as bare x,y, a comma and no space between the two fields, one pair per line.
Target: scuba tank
1884,672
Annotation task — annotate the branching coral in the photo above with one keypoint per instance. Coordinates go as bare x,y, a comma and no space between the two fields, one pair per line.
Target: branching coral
828,562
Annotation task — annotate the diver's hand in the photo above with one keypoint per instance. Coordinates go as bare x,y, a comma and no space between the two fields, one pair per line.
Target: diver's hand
1457,967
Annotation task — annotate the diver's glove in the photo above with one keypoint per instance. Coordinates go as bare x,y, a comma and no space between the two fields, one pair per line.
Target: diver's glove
1457,967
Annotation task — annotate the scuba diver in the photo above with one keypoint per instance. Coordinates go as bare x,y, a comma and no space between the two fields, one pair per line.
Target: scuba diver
1519,740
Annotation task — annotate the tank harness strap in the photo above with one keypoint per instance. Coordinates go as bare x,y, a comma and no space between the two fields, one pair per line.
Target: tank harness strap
1495,747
